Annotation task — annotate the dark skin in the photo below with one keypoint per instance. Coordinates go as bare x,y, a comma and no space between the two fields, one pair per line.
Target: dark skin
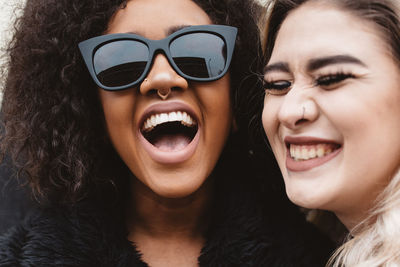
169,199
169,232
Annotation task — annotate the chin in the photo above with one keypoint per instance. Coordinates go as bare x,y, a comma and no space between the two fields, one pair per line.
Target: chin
175,192
305,199
178,189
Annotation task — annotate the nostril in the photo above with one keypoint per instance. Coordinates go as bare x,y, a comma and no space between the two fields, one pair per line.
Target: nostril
176,88
301,121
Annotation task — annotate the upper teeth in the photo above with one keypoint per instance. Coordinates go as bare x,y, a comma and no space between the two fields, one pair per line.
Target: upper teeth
161,118
305,152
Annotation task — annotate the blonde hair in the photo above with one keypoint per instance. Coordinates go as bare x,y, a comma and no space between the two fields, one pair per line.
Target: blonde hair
376,240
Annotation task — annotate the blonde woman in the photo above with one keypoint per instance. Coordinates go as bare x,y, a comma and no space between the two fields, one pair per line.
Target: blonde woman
332,117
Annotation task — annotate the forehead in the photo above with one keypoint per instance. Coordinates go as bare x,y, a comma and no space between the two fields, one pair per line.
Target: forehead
318,27
153,18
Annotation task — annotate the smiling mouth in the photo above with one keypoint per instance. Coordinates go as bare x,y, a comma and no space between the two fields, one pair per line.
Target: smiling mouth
172,131
307,152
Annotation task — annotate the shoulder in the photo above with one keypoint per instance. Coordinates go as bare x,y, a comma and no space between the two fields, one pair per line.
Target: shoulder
297,243
258,242
53,237
253,229
293,241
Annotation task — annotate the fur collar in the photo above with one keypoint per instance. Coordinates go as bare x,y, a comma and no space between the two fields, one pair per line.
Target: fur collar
242,233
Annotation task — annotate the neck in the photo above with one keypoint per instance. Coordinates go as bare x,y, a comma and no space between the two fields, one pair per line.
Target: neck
358,211
354,217
167,218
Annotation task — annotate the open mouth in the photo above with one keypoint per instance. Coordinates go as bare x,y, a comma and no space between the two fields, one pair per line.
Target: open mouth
172,131
311,151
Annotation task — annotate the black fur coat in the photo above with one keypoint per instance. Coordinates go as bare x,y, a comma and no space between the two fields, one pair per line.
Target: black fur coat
239,235
252,223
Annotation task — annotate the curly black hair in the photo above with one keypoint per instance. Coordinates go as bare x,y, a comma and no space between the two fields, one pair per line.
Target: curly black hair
53,120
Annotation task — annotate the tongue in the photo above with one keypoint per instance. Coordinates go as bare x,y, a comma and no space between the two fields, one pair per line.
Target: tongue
171,142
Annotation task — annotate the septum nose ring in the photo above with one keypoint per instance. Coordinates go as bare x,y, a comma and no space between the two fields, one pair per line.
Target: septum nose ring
164,93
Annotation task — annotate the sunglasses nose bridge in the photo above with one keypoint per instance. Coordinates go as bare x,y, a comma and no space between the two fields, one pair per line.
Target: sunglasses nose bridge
161,75
158,47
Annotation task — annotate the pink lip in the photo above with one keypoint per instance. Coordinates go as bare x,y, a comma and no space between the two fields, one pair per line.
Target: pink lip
305,165
307,140
169,157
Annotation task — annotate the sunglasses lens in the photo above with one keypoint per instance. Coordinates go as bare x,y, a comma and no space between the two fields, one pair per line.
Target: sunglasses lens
199,55
120,62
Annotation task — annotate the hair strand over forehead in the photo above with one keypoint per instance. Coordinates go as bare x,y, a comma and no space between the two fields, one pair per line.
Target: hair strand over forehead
381,13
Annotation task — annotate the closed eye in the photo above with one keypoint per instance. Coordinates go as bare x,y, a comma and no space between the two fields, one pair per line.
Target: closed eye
331,80
279,87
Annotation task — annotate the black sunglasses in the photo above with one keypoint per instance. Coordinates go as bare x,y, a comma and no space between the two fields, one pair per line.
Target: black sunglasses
197,53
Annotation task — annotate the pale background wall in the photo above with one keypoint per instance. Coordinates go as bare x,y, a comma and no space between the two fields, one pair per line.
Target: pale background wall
6,11
7,17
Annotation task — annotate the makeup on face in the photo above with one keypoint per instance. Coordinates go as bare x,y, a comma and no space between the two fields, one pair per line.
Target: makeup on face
331,110
167,105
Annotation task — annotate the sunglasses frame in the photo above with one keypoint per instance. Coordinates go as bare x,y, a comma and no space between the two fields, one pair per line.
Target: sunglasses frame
89,47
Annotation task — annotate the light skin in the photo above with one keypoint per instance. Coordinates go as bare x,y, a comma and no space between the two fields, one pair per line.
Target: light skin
332,82
169,197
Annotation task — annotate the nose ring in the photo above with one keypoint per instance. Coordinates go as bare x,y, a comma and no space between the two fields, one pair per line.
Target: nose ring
164,93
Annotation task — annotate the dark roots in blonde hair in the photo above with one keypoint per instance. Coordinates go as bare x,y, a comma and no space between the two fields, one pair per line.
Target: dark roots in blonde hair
382,13
53,122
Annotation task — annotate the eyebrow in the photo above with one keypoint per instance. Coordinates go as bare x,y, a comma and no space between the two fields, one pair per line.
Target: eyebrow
169,31
318,63
278,66
173,29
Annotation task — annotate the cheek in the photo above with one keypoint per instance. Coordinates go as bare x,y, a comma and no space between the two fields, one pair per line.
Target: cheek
119,116
374,143
271,127
219,113
214,100
216,96
369,124
117,106
270,119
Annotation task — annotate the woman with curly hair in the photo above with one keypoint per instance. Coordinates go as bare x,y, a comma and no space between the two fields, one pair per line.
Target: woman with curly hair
332,116
120,114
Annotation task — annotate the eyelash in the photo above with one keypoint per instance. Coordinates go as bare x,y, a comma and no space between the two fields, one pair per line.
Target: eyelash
277,85
281,87
332,79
